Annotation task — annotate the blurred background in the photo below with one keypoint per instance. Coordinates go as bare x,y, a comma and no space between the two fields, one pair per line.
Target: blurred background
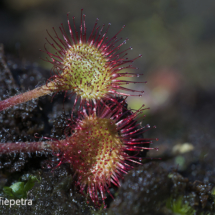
177,41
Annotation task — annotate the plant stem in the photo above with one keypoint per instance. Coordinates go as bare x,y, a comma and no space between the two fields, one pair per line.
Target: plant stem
17,147
7,148
27,96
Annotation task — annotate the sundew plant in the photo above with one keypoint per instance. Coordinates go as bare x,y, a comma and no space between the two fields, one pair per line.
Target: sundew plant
105,138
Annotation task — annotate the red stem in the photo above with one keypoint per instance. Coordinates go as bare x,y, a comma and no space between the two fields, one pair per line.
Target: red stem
7,148
24,97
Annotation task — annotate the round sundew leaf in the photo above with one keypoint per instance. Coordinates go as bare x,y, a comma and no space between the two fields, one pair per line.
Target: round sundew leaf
91,67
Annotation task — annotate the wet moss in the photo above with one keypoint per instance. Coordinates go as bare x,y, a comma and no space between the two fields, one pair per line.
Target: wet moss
150,188
143,191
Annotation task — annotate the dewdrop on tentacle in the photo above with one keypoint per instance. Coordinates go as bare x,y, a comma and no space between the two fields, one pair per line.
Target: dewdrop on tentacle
89,66
106,142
